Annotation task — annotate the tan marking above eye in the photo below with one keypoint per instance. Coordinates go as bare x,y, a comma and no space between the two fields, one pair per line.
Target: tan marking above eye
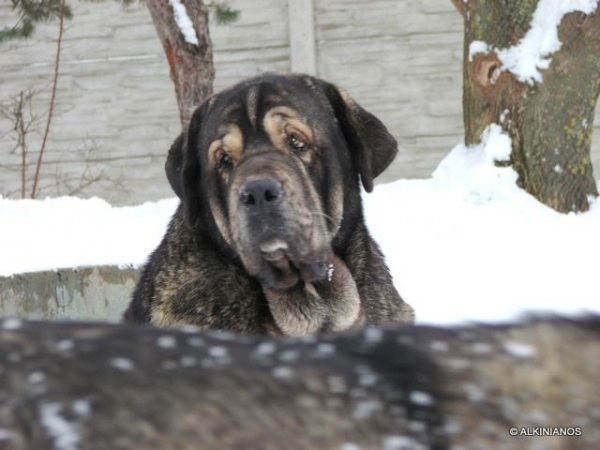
283,122
231,142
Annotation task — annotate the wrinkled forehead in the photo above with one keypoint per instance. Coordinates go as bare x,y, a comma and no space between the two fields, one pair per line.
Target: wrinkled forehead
248,103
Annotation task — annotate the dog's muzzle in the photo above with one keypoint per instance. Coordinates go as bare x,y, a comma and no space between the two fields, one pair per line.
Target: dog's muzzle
276,231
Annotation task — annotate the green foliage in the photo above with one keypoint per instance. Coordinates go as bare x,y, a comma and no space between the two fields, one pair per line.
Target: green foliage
30,13
223,13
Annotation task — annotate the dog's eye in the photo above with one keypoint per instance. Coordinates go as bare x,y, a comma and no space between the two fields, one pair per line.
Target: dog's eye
224,160
296,144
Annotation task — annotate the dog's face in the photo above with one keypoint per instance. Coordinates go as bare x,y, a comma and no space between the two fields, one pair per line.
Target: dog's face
272,165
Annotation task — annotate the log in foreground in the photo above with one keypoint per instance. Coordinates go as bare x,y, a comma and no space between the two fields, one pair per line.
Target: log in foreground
101,386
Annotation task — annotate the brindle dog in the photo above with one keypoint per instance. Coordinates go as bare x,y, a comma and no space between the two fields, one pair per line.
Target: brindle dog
269,237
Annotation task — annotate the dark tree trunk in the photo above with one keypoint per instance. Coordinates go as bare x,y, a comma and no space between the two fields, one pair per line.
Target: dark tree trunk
191,65
550,122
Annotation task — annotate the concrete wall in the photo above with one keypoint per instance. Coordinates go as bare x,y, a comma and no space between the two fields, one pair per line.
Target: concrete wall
402,60
96,293
116,114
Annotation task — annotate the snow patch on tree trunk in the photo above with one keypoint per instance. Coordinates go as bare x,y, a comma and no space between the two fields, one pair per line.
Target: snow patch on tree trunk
477,47
532,52
184,22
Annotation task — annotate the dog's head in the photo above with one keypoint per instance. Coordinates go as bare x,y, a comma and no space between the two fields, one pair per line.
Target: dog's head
272,167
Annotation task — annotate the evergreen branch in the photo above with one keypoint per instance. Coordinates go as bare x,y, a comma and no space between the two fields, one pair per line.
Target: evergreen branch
223,13
30,13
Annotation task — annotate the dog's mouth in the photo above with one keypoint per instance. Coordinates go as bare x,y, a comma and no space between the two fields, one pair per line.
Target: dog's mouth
284,266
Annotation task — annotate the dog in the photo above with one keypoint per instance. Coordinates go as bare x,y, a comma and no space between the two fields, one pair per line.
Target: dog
269,237
533,384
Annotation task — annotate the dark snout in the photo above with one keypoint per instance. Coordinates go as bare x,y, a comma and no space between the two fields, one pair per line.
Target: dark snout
277,225
259,196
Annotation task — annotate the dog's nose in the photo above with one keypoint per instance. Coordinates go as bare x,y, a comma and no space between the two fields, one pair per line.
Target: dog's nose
261,193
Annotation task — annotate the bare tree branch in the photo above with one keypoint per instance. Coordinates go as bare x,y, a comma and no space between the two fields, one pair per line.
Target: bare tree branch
52,99
15,110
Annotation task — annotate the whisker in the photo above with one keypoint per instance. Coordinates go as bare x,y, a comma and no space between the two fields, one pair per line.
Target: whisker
322,214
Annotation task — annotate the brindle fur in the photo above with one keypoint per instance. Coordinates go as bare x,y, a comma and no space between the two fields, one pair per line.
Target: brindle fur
269,237
121,387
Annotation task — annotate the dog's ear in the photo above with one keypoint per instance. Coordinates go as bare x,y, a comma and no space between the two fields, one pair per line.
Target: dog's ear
372,146
183,167
191,169
174,162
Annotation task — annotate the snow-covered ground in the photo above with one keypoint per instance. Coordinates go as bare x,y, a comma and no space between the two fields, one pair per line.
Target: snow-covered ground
466,244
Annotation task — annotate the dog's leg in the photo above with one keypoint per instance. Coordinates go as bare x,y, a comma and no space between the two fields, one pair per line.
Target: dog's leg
332,304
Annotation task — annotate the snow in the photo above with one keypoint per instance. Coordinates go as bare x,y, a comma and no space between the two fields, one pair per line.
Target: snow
532,52
12,324
82,408
520,350
421,398
283,372
36,378
71,232
265,349
167,342
65,435
476,47
123,364
466,244
401,442
184,23
218,352
473,171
